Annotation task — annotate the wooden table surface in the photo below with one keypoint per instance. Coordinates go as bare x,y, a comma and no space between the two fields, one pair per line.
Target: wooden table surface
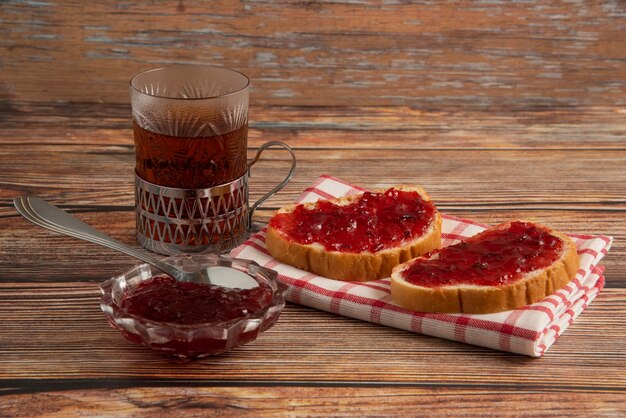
500,110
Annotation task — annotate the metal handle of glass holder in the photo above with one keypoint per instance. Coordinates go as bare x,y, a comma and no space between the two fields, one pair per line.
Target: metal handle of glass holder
270,144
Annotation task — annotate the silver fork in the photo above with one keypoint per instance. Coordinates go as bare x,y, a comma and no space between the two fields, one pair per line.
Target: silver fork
48,216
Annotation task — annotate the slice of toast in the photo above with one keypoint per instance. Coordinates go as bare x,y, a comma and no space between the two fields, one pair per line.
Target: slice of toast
533,260
356,256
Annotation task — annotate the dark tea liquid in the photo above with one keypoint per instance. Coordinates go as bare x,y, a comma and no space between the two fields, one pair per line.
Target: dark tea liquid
190,163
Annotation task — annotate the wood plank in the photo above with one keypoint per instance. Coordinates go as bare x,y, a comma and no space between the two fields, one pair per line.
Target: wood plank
453,177
500,109
56,331
430,54
262,401
31,254
341,127
96,182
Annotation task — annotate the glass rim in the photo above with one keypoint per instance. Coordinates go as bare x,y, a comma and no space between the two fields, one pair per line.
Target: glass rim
232,93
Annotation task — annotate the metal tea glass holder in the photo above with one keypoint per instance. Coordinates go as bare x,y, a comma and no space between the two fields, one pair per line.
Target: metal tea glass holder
215,219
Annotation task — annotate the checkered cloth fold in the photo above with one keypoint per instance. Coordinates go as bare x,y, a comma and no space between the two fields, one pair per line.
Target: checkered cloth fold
530,330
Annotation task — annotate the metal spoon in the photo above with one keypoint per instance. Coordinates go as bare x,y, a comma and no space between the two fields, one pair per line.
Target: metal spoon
48,216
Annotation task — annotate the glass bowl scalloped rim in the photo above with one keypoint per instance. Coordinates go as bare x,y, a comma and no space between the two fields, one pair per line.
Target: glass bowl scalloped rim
264,318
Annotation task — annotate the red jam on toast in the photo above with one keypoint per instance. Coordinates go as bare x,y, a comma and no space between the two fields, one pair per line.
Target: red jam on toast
373,222
493,258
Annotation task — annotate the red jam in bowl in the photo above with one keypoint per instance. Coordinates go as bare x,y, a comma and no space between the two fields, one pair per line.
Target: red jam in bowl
491,258
372,222
163,299
193,320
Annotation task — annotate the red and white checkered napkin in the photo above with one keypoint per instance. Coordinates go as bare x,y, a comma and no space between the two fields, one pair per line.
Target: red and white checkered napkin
530,330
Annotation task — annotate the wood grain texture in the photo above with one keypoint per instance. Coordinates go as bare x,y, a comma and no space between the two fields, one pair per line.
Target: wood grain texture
56,332
323,127
424,54
49,295
566,175
289,401
501,110
572,184
64,259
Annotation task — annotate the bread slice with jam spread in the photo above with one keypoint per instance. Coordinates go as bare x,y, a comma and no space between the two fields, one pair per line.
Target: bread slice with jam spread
356,238
506,267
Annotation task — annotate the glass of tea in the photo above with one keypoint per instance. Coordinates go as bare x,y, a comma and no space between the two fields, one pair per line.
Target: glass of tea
190,125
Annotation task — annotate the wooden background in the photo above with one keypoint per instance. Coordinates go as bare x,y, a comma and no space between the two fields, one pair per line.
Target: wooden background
500,109
424,54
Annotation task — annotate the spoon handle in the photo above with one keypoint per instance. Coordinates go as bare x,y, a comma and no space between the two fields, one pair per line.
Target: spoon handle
48,216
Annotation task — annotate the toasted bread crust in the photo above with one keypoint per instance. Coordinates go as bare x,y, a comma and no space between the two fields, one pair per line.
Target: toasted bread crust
488,299
362,266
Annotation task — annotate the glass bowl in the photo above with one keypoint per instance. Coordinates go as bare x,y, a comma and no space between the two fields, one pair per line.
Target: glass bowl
192,340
